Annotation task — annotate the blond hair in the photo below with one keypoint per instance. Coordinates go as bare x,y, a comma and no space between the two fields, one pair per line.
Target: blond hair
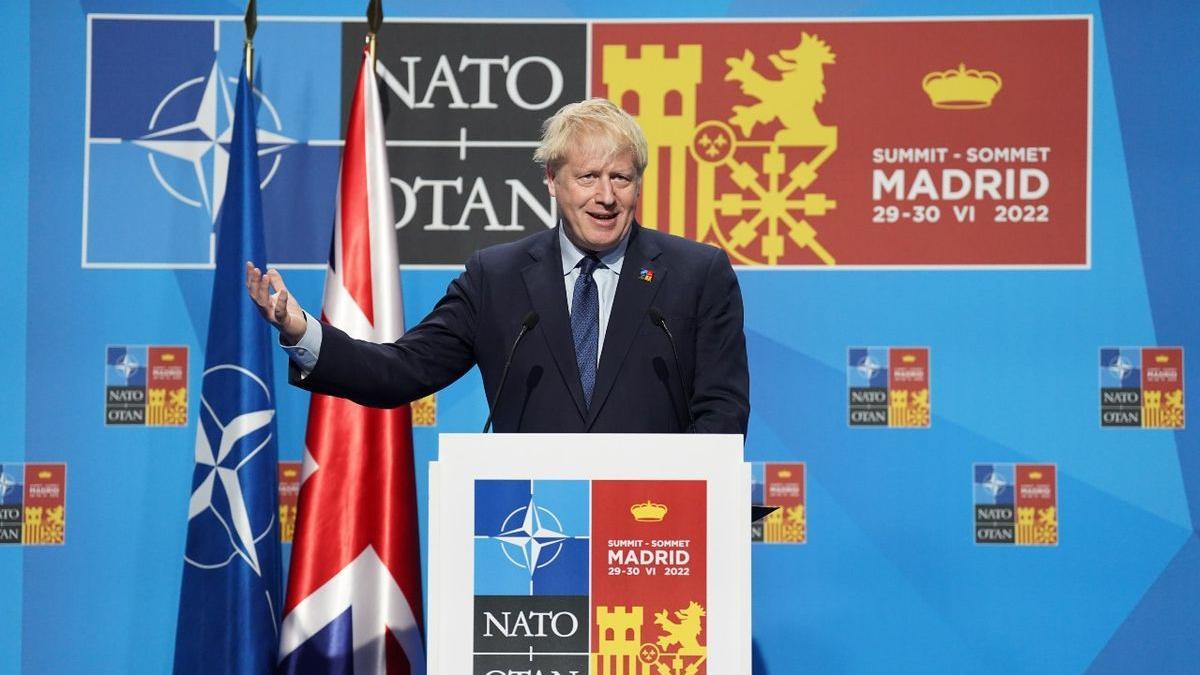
591,120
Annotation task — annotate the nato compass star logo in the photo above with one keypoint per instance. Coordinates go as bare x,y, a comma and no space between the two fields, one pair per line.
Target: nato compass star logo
867,367
1120,368
127,365
994,484
531,537
229,441
202,138
9,486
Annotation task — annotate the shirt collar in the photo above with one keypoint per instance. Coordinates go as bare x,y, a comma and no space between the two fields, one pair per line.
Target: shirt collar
613,258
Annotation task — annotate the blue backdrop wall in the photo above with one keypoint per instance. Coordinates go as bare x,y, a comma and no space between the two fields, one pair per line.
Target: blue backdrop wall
890,577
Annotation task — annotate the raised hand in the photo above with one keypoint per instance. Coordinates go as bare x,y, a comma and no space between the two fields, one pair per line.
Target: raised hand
280,309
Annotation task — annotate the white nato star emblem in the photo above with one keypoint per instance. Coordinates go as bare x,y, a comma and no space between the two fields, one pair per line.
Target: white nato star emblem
208,131
222,466
994,484
6,484
532,537
1120,368
867,367
126,365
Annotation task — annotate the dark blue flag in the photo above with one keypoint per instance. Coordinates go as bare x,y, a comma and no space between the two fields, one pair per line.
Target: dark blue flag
230,598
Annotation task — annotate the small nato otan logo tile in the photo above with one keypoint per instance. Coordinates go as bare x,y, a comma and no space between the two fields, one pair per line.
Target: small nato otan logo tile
1142,387
780,484
889,387
1016,504
146,385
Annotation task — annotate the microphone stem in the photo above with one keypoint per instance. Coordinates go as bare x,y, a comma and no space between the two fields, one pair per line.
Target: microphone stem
503,378
682,390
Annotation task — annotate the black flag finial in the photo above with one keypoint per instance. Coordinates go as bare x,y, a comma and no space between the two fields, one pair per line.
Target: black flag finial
251,28
374,21
251,20
374,15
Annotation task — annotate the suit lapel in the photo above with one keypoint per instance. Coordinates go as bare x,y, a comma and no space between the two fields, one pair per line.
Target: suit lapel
544,281
634,296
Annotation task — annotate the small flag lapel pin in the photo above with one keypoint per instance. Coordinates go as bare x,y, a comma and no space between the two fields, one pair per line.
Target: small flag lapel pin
646,275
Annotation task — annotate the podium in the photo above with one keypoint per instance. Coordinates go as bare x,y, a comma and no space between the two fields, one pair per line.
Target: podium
608,554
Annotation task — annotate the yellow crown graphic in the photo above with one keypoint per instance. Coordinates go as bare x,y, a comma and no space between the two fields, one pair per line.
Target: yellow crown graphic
168,357
1162,358
1035,475
908,358
961,89
290,473
45,474
648,512
785,473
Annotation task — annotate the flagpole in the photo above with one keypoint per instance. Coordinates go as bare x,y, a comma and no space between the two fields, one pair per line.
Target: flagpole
251,26
249,61
374,21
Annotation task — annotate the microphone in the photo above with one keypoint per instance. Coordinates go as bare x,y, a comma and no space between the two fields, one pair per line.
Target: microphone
657,318
527,324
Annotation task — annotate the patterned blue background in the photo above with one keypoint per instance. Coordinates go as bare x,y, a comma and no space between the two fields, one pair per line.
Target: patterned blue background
889,580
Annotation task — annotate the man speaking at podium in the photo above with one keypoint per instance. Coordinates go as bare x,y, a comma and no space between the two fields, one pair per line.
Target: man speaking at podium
598,325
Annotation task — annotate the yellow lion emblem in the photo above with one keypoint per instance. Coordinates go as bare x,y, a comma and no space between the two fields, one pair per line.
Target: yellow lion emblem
792,98
685,632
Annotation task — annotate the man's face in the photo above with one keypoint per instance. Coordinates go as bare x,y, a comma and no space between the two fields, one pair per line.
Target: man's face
597,193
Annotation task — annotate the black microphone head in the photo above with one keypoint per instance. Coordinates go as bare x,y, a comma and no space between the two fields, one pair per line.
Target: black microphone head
656,316
531,319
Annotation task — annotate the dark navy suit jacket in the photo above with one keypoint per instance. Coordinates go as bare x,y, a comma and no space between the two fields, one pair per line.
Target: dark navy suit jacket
637,385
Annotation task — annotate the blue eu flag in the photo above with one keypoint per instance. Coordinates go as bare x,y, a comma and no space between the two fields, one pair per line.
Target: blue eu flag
230,598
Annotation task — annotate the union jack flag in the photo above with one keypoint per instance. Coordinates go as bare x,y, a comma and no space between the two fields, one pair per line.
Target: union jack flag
354,591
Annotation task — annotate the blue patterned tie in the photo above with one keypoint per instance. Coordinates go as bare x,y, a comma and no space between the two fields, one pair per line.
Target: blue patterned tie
585,324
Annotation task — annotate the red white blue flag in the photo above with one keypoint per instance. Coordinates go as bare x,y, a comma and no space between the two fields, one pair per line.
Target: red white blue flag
354,589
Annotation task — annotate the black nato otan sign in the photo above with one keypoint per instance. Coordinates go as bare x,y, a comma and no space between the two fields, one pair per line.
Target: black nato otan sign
464,104
534,634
